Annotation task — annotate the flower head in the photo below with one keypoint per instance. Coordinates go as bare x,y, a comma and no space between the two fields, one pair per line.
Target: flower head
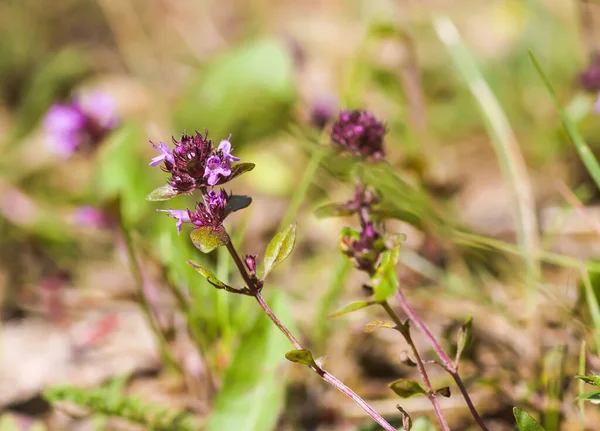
212,211
194,163
85,121
359,133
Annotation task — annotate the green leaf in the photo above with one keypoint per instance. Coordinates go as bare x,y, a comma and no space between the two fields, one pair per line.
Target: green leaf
406,388
208,274
207,238
333,210
445,392
262,71
237,170
252,401
592,380
163,193
525,422
279,248
236,203
593,396
464,337
378,324
350,308
584,151
385,280
303,356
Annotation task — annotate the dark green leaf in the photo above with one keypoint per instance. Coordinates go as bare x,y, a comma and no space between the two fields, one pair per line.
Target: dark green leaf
593,396
378,324
236,203
206,238
445,392
592,380
464,338
163,193
303,356
237,170
252,401
350,308
406,388
333,210
525,422
385,280
279,248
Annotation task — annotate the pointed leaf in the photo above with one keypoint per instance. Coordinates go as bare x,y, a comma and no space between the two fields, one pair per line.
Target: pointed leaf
333,210
592,380
406,388
303,356
385,280
445,392
237,170
208,274
525,422
350,308
163,193
464,338
206,238
377,324
236,203
279,248
593,396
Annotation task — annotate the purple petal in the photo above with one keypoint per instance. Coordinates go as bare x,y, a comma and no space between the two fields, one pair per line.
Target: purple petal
225,148
63,144
182,216
165,154
213,178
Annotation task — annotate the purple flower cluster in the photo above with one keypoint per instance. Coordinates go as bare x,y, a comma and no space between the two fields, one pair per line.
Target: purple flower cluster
211,212
194,163
84,122
359,133
363,248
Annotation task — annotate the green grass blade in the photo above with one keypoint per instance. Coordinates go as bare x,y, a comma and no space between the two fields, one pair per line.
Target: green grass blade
592,301
503,140
584,151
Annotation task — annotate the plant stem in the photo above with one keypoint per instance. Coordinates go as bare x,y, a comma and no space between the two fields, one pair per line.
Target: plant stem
446,362
405,331
139,284
252,285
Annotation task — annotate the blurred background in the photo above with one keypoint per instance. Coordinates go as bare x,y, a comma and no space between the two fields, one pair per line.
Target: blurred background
501,216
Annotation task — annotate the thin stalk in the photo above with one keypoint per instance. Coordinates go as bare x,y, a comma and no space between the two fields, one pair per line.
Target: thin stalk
139,284
446,362
252,285
420,366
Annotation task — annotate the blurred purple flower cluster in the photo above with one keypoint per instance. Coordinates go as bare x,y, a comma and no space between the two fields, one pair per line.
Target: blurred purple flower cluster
85,121
359,133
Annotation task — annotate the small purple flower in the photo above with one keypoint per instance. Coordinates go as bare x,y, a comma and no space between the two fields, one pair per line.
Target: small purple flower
182,216
359,133
212,211
165,154
219,164
63,125
364,248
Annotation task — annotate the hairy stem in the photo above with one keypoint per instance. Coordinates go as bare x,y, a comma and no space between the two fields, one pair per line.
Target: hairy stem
420,366
139,284
446,362
252,285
